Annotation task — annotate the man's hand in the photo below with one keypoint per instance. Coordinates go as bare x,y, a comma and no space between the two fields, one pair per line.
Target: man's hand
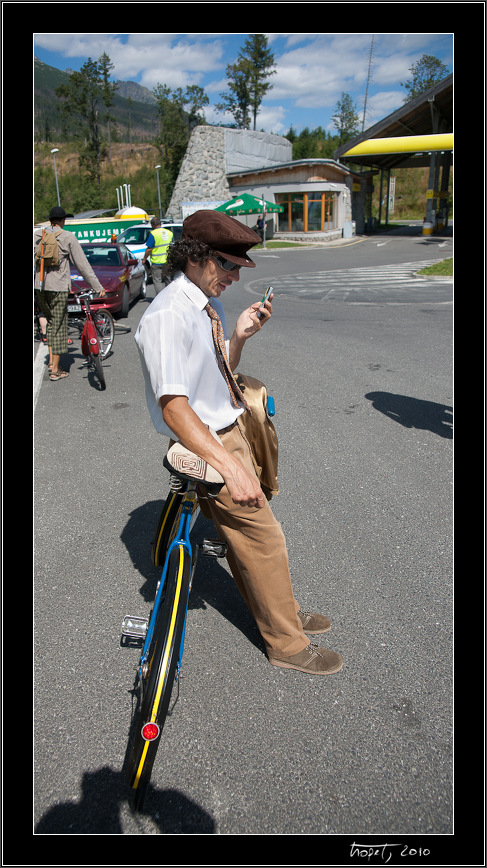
248,324
243,487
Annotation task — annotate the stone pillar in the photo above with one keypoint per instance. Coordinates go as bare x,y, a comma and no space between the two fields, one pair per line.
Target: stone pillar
202,173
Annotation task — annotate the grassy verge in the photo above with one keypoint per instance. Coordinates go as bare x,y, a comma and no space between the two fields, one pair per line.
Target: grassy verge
440,269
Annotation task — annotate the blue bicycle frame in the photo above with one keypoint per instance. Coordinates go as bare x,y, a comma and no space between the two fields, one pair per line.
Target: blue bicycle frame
181,539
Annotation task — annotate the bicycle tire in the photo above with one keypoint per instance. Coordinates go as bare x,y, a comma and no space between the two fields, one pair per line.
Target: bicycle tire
96,361
164,530
158,681
105,327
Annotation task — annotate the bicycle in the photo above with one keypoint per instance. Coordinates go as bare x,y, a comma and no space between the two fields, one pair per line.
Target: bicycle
97,330
163,633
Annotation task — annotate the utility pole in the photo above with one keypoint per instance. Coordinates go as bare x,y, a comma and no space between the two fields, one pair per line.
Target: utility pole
368,80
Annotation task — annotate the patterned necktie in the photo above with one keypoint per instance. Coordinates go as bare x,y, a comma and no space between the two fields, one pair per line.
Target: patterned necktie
236,395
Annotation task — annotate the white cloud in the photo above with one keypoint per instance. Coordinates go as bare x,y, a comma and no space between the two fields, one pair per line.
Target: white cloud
384,103
273,120
147,57
315,74
312,70
79,44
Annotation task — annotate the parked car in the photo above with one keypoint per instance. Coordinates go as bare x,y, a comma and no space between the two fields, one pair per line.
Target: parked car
121,274
135,237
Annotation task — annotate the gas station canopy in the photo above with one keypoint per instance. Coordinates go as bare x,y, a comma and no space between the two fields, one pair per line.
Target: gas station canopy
418,128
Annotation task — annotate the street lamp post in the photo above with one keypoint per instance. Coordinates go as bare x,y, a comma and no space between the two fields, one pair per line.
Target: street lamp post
54,152
159,192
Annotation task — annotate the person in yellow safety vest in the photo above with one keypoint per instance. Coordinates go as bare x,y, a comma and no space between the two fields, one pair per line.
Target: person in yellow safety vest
157,245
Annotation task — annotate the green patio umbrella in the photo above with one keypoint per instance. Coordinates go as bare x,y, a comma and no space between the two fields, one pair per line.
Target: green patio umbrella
248,204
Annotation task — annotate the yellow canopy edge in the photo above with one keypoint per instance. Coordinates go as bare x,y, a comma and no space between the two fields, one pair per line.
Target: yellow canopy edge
402,144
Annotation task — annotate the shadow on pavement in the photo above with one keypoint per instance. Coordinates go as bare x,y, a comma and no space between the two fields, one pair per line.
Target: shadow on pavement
414,413
212,584
104,791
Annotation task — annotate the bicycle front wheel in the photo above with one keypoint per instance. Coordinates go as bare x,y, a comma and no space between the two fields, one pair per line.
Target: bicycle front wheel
159,672
105,328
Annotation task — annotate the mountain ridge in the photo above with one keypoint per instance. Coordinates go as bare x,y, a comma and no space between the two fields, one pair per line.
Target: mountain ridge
134,107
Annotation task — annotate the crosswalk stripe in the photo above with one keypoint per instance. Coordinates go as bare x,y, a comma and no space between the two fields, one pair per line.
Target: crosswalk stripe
350,279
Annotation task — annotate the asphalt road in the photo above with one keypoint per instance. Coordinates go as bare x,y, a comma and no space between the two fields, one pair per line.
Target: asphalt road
358,356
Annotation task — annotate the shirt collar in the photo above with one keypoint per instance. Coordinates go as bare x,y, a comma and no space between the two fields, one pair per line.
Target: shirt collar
193,292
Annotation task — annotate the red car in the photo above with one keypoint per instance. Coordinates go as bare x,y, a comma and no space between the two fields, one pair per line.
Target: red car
123,278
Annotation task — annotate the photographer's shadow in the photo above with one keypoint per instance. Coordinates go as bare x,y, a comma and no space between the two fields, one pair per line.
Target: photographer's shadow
104,795
415,413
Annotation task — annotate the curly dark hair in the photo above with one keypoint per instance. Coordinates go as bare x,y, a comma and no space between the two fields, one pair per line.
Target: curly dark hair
180,251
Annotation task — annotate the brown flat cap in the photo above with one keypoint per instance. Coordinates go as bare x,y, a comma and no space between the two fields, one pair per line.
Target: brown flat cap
223,234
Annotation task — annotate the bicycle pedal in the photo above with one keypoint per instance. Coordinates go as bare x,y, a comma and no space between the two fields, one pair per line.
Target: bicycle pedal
134,627
213,548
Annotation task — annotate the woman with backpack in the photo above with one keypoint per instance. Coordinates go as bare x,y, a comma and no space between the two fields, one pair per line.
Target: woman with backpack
54,249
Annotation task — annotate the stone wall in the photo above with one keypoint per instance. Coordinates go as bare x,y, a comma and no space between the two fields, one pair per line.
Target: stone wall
214,151
202,173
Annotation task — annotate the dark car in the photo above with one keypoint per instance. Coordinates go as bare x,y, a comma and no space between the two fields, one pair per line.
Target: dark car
122,276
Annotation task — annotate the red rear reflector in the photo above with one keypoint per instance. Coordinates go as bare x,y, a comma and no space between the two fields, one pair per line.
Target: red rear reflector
150,731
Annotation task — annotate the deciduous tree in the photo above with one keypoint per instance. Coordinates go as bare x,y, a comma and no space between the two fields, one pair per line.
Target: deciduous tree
426,72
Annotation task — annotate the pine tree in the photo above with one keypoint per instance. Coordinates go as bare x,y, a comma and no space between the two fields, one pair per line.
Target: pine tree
247,81
81,99
346,119
108,92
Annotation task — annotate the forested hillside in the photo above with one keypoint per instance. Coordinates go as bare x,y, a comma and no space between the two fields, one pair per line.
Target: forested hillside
134,109
130,164
134,164
132,155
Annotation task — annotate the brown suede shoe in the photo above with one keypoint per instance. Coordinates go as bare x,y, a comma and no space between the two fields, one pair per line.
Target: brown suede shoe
313,623
313,660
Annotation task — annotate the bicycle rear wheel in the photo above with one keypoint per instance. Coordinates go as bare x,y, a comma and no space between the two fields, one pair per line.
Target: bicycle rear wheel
168,525
159,673
105,327
162,536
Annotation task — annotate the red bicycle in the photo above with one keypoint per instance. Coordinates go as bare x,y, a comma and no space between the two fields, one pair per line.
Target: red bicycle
97,332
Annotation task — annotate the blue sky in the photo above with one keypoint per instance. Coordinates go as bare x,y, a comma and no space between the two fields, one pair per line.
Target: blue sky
313,69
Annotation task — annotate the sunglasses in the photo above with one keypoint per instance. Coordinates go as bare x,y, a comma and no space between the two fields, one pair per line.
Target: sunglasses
224,263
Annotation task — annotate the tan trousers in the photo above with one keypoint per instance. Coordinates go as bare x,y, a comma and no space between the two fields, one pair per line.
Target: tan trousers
257,556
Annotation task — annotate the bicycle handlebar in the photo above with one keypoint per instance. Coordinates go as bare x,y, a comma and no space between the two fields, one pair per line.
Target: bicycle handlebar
86,293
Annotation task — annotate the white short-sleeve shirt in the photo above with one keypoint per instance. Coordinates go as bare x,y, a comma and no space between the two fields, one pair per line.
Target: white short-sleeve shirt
177,353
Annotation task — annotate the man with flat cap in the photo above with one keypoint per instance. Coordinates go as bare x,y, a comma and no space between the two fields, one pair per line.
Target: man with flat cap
189,391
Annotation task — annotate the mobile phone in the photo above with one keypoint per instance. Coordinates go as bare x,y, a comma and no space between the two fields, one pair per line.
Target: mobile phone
268,291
